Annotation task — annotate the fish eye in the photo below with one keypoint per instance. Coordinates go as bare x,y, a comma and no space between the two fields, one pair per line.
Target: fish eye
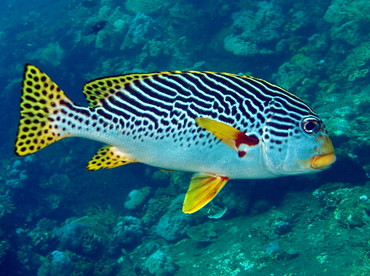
311,125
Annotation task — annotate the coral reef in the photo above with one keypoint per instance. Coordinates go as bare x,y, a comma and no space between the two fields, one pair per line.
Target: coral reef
17,174
69,236
267,20
59,265
128,232
351,206
156,207
160,264
136,198
203,232
146,6
173,225
141,30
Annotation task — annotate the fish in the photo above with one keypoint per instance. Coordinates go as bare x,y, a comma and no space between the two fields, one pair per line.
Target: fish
219,126
97,27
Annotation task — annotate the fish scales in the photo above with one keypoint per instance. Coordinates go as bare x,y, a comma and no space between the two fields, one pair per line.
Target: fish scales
221,126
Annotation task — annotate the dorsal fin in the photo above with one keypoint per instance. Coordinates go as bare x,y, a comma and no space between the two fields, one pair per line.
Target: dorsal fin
97,90
101,88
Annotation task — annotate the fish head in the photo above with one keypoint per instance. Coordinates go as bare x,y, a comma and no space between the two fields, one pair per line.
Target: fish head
306,149
319,150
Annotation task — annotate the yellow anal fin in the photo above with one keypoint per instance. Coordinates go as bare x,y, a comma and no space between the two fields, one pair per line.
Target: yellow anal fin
203,188
227,134
40,99
109,157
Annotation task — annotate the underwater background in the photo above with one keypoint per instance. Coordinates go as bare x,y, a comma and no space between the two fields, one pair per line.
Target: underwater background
56,218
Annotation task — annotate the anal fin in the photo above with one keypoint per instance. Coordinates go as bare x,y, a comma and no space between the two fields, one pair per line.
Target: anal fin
203,188
109,157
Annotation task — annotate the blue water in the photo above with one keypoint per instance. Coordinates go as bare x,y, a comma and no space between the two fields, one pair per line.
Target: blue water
58,219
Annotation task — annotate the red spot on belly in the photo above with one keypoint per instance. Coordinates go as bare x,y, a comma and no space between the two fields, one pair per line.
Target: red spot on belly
242,153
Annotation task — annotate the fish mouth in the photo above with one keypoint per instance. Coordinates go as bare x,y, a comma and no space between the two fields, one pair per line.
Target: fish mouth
327,156
319,162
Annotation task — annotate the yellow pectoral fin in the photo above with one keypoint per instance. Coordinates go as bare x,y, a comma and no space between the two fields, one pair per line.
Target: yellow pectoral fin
203,188
227,134
108,157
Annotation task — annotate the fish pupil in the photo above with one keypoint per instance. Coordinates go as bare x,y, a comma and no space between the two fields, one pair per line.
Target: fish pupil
311,126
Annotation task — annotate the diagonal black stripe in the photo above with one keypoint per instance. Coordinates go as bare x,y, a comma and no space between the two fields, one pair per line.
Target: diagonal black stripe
282,94
136,107
245,90
102,113
113,106
279,134
279,126
150,95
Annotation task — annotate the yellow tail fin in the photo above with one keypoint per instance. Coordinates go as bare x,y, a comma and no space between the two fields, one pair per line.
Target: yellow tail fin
40,102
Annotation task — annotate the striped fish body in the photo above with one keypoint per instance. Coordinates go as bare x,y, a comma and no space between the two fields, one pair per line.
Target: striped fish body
218,125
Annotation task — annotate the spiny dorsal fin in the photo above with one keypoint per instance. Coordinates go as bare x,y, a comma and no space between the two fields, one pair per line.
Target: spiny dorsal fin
109,157
99,89
203,188
40,99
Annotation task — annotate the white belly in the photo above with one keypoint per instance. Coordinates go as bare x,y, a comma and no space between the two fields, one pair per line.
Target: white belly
220,159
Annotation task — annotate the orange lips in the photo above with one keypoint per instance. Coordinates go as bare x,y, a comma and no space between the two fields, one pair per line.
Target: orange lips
321,161
327,156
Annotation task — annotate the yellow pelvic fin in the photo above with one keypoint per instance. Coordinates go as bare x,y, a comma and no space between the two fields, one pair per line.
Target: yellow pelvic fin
40,98
108,157
227,134
203,188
